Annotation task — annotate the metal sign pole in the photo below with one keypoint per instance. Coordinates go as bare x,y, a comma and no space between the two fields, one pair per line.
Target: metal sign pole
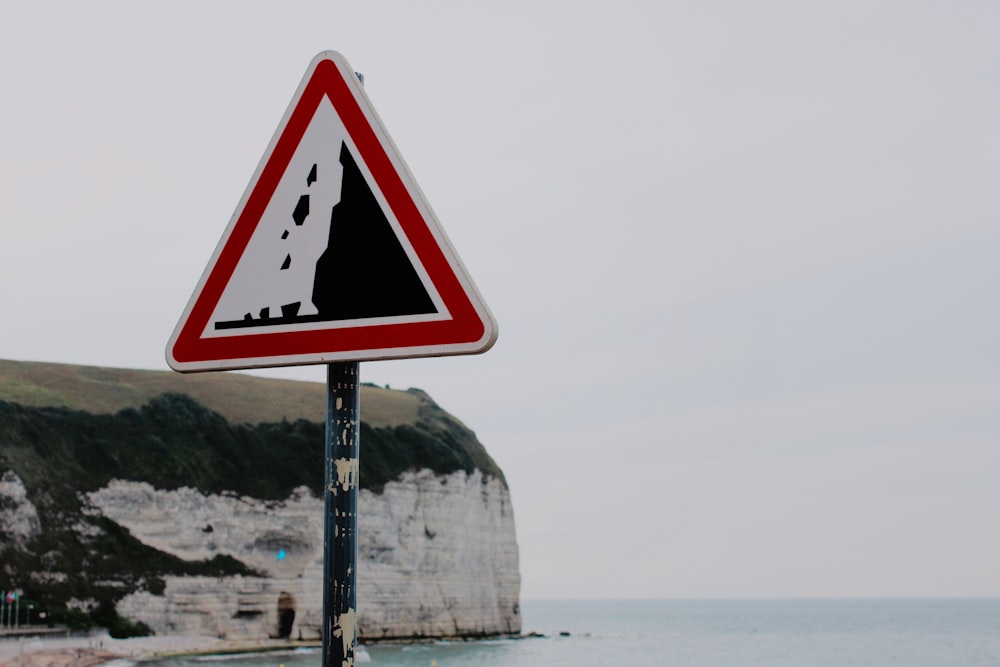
340,539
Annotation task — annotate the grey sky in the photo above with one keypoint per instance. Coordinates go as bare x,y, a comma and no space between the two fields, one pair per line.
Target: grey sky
743,256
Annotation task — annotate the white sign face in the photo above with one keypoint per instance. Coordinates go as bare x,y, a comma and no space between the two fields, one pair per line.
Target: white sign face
332,254
275,280
271,274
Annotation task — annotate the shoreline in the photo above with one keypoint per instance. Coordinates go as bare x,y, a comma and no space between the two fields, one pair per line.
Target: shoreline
102,649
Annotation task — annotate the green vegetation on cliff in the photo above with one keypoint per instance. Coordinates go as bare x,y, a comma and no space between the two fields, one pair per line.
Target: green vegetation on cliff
174,441
169,417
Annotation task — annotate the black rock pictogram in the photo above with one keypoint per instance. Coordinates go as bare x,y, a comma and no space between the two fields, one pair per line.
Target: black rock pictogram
364,272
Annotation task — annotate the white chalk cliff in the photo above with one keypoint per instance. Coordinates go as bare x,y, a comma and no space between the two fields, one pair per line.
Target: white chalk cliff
18,516
437,558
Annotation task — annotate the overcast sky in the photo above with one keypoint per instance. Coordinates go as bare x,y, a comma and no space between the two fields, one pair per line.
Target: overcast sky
743,256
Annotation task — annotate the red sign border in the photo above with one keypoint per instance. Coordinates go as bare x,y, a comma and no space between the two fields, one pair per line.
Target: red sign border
470,328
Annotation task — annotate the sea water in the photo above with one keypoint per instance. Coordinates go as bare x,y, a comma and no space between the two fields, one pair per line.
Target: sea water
708,633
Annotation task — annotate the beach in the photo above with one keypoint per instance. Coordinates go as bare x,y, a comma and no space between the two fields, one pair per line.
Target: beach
640,633
102,649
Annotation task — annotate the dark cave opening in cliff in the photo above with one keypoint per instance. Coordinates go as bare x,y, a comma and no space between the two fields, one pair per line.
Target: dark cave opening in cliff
286,614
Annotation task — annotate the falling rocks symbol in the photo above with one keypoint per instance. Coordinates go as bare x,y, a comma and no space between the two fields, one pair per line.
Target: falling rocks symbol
364,271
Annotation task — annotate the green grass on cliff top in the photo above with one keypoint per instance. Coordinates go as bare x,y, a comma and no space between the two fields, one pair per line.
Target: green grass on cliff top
241,399
401,430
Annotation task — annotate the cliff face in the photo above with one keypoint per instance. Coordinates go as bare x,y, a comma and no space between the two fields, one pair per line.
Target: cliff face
437,557
168,515
18,517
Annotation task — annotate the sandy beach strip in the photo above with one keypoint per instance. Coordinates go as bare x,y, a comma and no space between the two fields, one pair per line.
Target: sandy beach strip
67,657
101,649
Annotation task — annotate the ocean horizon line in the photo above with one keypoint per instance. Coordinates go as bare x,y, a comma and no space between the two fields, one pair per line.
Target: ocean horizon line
803,598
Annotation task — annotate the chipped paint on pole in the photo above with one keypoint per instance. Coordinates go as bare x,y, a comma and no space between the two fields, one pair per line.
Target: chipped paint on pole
347,473
340,633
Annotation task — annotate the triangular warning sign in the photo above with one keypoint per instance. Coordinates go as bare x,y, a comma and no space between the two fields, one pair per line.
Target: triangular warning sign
332,254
